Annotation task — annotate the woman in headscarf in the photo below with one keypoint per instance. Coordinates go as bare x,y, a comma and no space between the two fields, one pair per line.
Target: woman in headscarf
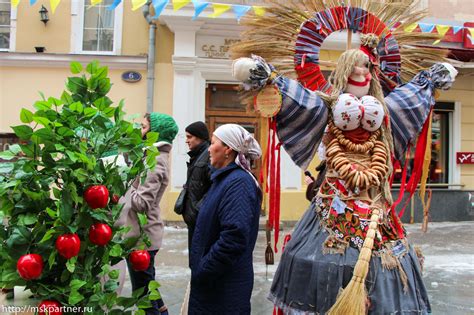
226,229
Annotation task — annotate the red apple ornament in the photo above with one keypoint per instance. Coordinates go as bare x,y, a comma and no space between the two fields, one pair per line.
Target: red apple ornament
68,245
97,196
140,260
49,307
100,234
30,266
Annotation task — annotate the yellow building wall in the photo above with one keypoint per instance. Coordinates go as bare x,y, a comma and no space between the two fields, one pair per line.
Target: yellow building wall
20,87
31,32
463,92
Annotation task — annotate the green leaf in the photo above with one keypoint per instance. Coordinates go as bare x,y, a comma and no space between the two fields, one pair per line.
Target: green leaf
101,73
71,264
28,149
42,120
89,111
76,107
52,258
76,85
27,219
26,116
23,132
101,103
142,219
65,132
114,274
54,101
109,112
48,235
5,167
76,67
66,211
75,297
59,147
77,284
42,105
153,285
151,137
66,98
20,236
115,251
7,155
140,312
154,295
44,133
92,67
81,175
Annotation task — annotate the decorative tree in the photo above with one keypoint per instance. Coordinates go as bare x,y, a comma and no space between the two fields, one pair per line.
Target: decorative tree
58,197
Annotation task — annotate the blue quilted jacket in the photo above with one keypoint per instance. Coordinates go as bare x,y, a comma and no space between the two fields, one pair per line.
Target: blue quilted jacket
223,242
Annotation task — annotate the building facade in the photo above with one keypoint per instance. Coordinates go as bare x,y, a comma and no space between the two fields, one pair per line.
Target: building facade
193,81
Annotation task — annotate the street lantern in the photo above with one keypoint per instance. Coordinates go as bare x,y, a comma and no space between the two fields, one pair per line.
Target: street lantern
44,14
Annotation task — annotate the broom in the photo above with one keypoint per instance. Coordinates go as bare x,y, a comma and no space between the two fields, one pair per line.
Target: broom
353,298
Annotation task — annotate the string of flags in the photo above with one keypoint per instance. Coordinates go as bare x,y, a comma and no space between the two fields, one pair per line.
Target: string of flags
159,5
443,30
448,32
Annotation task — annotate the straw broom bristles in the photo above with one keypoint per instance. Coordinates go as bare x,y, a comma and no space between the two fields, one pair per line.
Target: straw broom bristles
353,298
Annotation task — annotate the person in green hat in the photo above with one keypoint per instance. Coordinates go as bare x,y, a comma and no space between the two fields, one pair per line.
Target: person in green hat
145,198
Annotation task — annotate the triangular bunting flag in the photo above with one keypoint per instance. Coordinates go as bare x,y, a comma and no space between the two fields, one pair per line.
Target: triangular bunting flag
219,8
32,2
159,6
259,11
240,10
426,28
94,2
410,28
178,4
54,5
456,29
137,4
471,36
114,5
199,7
442,29
15,3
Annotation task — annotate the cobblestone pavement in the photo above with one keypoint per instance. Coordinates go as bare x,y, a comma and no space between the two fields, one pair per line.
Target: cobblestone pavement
449,269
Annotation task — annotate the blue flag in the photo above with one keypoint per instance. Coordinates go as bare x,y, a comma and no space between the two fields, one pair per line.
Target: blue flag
159,6
33,2
457,29
240,10
426,28
199,7
114,5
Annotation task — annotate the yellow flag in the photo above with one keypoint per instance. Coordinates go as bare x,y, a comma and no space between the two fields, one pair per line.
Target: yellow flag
436,41
259,11
15,3
471,29
178,4
219,8
94,2
137,4
442,29
54,4
410,28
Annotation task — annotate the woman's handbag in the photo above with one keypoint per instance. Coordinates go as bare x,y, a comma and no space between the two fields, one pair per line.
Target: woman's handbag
179,205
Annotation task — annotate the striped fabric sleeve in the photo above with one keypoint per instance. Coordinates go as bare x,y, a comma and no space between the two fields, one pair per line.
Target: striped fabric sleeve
301,121
409,106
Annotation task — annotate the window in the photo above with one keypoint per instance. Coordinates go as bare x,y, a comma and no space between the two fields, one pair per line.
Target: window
101,29
5,24
440,144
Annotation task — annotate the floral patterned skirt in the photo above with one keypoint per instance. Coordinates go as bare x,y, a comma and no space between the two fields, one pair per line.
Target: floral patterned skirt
308,279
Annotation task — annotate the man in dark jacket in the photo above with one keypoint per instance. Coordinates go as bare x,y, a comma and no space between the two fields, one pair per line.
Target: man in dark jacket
198,178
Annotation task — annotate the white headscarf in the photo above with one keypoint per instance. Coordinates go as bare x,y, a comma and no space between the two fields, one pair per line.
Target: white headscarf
241,141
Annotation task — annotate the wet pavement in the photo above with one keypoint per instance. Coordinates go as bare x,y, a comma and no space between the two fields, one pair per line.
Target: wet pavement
448,271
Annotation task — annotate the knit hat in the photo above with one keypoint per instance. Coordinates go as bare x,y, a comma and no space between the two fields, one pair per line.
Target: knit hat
165,125
198,129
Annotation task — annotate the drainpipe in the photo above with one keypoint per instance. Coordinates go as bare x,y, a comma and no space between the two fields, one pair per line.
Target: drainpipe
150,77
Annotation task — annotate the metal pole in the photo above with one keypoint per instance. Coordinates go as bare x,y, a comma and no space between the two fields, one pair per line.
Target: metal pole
150,77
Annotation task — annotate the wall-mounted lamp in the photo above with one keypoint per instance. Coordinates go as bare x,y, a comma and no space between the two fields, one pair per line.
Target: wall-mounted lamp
44,14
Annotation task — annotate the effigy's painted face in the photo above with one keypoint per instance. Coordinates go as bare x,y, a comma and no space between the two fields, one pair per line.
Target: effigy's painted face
359,80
